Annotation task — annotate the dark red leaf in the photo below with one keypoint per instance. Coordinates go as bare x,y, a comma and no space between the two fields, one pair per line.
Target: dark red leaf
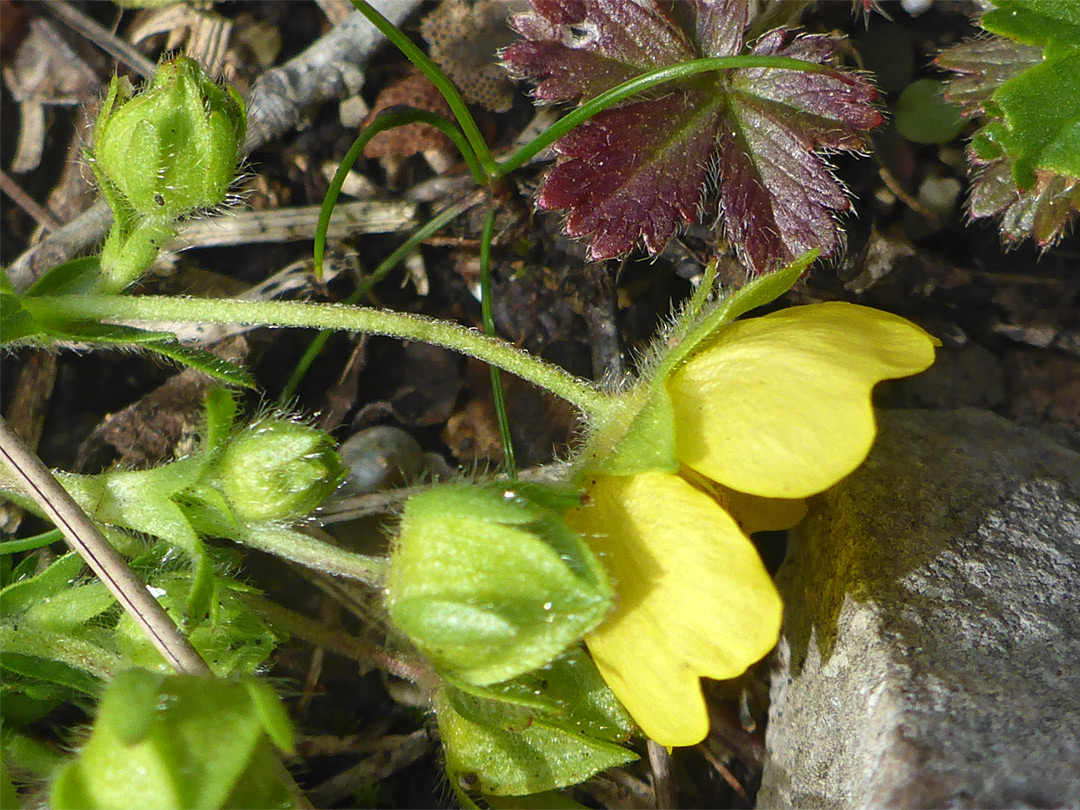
639,171
984,65
720,26
634,172
580,48
777,198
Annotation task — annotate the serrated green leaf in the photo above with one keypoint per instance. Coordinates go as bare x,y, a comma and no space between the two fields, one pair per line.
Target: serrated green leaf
502,750
1041,107
232,638
1035,22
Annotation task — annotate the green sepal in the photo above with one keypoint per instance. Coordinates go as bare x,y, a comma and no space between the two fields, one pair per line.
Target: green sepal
637,432
221,409
548,729
177,741
685,339
648,443
488,584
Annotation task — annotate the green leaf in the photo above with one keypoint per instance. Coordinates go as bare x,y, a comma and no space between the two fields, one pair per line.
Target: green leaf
571,691
1035,22
22,595
1026,157
500,745
70,278
1041,108
206,362
232,638
16,324
26,321
29,544
49,670
174,741
63,612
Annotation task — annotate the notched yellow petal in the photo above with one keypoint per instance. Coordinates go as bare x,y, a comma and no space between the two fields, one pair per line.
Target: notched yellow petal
780,406
693,599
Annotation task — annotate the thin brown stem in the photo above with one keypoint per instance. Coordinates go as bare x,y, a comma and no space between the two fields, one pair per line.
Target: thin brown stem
84,537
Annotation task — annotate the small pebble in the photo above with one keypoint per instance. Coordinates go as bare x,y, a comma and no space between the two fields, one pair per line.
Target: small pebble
380,458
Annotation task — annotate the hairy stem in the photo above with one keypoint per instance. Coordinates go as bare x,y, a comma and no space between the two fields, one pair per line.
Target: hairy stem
580,393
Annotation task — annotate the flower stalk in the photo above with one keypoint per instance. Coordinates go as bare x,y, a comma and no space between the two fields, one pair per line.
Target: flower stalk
148,309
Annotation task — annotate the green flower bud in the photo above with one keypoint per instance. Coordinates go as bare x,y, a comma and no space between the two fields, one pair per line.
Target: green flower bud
489,583
278,470
160,155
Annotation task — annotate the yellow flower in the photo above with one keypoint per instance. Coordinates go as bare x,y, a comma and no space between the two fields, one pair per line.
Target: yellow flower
772,410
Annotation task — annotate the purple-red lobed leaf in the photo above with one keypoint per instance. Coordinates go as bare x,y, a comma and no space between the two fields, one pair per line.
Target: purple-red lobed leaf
633,172
637,172
579,48
778,199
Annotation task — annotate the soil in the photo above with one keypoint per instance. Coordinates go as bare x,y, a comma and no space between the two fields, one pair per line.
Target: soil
1008,320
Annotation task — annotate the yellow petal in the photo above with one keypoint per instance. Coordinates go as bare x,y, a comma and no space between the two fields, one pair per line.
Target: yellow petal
756,514
752,512
693,599
780,406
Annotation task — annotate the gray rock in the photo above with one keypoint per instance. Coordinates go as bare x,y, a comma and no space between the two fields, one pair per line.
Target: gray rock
931,649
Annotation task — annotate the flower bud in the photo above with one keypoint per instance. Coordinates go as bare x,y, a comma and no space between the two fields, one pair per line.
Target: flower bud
489,583
278,470
160,155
